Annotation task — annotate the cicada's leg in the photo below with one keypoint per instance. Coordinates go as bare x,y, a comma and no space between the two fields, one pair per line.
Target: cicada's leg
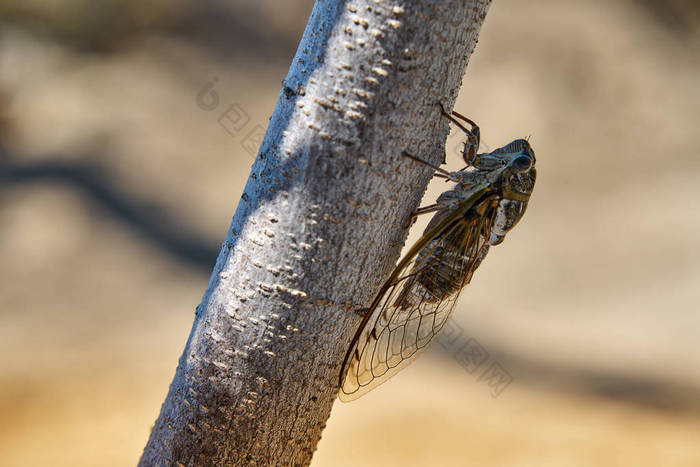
423,210
471,146
451,176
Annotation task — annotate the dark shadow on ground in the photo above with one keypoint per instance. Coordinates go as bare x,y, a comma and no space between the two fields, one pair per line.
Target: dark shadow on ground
162,229
643,389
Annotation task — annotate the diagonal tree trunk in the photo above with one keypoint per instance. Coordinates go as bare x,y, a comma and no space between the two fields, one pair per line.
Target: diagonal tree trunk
317,230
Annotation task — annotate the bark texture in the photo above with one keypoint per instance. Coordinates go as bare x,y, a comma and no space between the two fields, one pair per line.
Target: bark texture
317,230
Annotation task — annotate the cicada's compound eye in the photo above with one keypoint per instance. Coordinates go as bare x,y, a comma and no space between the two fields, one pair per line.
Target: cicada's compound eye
522,163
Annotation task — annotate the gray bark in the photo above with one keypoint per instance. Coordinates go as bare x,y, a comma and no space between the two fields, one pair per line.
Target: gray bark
317,230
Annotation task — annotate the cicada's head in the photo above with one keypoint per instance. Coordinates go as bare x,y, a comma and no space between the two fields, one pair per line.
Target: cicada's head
514,165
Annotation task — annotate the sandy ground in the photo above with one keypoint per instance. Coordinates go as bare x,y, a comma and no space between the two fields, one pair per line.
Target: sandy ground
601,278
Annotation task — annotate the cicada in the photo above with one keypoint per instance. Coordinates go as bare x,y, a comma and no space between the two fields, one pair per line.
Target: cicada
489,197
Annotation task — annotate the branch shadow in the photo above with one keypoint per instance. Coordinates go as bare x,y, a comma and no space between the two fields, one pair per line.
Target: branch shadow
161,229
642,389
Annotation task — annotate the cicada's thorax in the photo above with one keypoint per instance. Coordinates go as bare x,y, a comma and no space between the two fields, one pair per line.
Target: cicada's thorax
514,184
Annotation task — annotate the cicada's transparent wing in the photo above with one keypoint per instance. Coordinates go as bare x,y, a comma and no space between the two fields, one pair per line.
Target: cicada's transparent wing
416,302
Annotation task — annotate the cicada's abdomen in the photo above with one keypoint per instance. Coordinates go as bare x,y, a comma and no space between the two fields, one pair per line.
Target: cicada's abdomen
445,265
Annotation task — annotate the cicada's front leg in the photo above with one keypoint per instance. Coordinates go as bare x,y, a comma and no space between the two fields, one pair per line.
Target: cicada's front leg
471,146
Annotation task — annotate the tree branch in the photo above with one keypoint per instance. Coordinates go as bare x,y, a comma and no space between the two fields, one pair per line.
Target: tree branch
318,229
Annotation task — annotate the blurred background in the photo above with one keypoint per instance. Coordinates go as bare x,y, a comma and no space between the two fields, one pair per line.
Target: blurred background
118,182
